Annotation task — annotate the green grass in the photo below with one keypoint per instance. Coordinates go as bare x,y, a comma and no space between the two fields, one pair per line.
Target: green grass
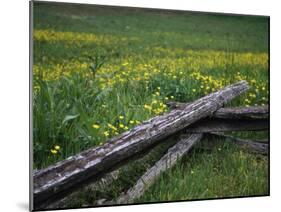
223,172
95,66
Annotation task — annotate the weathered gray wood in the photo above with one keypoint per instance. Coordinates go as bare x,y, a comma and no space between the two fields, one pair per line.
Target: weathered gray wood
260,147
185,143
62,176
110,177
253,112
101,183
227,125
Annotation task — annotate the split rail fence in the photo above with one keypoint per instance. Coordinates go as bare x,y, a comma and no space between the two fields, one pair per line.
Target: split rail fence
184,126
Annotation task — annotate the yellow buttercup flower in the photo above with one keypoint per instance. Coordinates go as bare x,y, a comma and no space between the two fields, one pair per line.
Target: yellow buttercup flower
121,117
53,151
147,107
96,126
106,133
112,127
57,147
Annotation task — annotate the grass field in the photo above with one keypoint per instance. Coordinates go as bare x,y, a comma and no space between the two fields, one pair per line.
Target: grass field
99,71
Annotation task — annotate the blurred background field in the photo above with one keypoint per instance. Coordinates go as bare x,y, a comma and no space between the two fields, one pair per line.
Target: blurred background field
99,71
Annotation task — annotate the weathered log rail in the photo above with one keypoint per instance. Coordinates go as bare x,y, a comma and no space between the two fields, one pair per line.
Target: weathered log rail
253,112
203,115
176,152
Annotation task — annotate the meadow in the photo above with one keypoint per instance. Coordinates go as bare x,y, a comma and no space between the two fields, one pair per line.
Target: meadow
99,71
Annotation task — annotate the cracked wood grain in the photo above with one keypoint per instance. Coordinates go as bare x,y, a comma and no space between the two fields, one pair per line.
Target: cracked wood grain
227,125
252,112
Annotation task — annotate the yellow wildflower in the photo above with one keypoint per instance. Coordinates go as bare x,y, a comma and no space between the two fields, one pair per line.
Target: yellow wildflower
154,101
57,147
53,151
147,107
106,133
112,127
96,126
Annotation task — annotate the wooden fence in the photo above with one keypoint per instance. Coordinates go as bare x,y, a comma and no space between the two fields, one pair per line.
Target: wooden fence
185,125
